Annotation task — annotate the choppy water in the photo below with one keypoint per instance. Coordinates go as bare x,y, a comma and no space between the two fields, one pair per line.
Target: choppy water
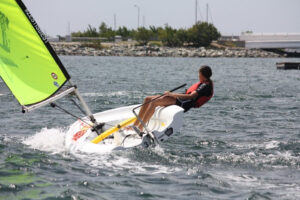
244,144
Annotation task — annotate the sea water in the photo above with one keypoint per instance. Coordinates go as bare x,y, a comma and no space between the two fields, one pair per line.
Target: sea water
243,144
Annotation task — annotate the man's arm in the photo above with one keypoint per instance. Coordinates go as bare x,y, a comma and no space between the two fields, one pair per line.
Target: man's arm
193,95
203,90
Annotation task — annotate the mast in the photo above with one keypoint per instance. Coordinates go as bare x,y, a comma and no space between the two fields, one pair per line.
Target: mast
84,105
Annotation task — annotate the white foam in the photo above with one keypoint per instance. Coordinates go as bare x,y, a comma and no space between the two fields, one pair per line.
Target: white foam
103,156
272,144
50,140
246,181
276,159
242,180
121,162
53,140
90,148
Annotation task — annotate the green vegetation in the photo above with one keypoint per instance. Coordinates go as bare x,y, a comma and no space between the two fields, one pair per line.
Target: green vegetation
200,34
124,32
169,37
143,35
90,32
155,43
96,44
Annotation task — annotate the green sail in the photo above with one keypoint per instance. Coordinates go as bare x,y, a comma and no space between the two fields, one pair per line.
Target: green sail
28,64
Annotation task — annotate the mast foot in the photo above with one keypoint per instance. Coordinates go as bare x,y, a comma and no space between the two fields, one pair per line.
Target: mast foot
98,128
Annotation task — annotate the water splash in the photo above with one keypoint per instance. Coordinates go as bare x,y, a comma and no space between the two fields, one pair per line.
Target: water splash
53,141
50,140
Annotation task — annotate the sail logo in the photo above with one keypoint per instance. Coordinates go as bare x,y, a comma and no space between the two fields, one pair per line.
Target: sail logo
56,84
4,25
54,76
35,25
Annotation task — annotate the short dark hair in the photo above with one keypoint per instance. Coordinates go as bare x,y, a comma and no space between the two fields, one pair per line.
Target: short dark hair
206,71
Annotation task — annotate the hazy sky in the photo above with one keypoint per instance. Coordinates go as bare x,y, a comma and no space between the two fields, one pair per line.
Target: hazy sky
229,16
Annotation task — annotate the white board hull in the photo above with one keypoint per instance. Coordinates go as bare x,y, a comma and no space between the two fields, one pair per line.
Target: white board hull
165,122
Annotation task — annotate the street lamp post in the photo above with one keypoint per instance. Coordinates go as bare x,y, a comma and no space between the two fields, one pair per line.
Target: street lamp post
196,11
138,15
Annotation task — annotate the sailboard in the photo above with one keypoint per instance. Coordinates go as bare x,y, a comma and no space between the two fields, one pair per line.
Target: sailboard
36,77
165,122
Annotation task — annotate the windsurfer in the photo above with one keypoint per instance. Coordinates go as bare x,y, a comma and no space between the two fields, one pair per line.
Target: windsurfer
197,95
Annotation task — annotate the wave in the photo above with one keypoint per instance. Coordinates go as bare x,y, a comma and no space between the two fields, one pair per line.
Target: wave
260,159
273,144
119,94
108,94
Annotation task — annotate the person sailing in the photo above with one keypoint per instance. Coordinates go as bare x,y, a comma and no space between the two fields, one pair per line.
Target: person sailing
197,95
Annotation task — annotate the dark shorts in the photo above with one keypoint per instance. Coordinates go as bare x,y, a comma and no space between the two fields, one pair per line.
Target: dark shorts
185,104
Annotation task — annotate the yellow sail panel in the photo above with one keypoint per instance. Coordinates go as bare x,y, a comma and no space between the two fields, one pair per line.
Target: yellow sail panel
28,64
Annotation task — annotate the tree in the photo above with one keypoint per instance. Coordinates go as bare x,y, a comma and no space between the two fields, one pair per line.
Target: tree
202,34
247,32
155,32
124,32
77,34
182,36
168,37
143,35
91,32
106,32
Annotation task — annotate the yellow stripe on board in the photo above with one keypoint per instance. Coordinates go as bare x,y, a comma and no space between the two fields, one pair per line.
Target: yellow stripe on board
113,129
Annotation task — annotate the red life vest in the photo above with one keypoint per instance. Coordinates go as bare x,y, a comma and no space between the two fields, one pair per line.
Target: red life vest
201,100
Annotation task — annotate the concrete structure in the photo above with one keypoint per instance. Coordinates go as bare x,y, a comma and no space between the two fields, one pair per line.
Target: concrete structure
231,40
68,38
51,39
271,40
88,39
118,38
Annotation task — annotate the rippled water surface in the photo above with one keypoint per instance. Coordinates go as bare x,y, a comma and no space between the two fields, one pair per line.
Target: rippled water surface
244,144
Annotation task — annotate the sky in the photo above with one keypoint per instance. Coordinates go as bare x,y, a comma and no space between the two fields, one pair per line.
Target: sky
231,17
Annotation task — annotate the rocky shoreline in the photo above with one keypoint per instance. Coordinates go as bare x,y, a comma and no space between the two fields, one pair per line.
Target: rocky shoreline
78,49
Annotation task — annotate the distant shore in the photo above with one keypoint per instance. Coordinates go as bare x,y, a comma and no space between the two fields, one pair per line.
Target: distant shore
115,49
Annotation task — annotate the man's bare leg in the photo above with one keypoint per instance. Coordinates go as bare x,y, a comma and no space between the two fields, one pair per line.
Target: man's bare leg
163,101
143,109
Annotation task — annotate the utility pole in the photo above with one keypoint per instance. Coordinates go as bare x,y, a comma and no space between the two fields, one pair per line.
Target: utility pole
115,22
69,36
144,21
138,15
69,28
207,12
196,11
